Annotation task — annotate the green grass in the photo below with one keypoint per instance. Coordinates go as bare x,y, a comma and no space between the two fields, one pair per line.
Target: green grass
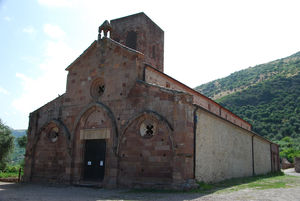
204,186
261,182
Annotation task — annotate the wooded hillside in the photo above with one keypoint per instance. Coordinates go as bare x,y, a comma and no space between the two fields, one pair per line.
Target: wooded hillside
267,96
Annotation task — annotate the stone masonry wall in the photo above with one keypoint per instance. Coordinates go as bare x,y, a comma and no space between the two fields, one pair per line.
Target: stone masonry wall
39,120
150,38
146,159
160,79
174,113
125,98
51,159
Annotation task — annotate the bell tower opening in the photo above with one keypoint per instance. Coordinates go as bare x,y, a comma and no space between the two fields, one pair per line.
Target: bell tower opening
131,39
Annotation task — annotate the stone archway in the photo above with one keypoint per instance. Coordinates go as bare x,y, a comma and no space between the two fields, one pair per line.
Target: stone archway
146,152
51,153
95,123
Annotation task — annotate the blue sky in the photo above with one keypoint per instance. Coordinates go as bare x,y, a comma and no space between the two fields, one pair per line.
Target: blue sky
204,40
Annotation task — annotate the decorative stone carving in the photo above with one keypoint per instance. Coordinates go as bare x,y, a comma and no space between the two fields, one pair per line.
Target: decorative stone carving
53,134
97,88
148,128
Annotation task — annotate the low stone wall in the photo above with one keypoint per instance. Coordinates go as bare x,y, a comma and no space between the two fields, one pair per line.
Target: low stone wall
297,164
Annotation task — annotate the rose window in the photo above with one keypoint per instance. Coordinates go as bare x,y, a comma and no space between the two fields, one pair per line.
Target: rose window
147,128
53,134
97,88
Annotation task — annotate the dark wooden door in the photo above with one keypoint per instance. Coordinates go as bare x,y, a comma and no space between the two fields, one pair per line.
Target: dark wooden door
94,160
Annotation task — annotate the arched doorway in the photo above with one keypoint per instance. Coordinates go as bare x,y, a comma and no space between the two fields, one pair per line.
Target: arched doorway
94,144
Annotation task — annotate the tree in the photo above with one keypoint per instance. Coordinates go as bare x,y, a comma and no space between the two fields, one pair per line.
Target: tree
289,148
22,141
6,144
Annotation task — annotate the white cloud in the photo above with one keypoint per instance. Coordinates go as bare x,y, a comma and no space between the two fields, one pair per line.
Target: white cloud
36,91
57,3
29,30
3,91
6,18
30,59
7,114
54,31
39,90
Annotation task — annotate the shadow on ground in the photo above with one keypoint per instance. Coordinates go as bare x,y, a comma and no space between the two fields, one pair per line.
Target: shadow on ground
42,192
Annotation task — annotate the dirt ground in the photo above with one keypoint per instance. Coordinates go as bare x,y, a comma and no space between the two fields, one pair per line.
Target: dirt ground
34,192
291,171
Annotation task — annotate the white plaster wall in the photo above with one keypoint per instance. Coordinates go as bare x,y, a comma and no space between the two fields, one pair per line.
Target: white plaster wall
223,150
262,156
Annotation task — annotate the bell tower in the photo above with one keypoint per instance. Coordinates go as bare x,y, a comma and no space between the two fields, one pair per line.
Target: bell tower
139,32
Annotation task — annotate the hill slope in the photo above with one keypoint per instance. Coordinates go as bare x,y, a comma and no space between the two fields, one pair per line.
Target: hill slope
241,80
18,133
267,96
272,107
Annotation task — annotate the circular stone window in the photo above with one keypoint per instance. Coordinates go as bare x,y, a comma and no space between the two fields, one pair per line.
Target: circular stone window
97,88
148,128
53,134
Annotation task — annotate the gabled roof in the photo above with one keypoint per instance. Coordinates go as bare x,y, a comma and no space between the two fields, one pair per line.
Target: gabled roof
194,92
84,53
94,44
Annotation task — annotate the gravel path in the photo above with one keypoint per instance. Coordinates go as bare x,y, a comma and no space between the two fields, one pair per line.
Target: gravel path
34,192
291,171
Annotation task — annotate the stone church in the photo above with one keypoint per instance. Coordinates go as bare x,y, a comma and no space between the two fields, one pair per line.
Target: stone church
123,122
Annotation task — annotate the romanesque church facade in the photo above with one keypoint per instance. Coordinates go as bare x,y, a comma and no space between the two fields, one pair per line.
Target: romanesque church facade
122,122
